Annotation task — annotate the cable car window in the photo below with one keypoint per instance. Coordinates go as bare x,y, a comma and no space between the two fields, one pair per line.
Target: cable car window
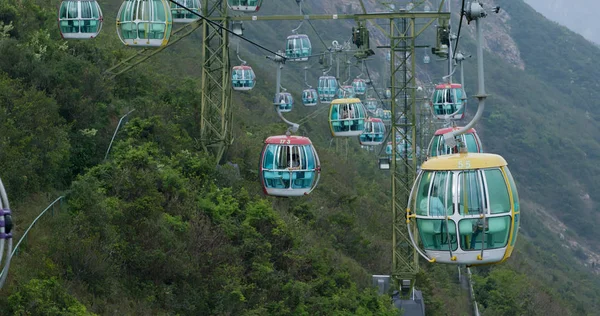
470,192
310,157
441,192
63,10
422,192
72,11
513,189
471,143
86,10
498,192
434,234
472,232
282,157
269,160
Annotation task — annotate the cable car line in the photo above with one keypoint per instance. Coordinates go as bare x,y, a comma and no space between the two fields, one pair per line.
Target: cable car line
226,29
462,13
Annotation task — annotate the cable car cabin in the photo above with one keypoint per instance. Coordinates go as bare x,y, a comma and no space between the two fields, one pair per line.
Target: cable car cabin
346,92
438,146
465,208
346,117
242,78
379,113
79,19
181,15
327,88
309,97
298,47
371,104
402,148
145,23
449,101
387,116
289,166
244,5
360,86
388,94
374,132
284,101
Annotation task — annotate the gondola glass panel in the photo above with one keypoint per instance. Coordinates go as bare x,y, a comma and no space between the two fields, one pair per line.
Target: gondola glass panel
289,166
79,19
346,117
144,23
465,208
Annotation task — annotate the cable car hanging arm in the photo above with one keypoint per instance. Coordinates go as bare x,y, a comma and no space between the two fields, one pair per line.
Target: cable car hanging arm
293,127
474,12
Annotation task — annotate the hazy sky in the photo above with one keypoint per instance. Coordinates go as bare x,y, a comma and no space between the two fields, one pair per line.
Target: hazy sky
578,15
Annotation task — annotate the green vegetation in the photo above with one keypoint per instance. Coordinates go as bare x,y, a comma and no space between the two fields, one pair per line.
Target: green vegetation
160,229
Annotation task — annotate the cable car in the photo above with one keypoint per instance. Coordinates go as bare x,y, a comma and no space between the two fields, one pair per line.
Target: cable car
285,101
466,209
346,92
144,23
346,117
371,104
298,47
327,88
309,97
242,78
79,19
388,94
181,15
244,5
387,116
438,146
379,113
403,150
373,133
289,166
449,101
360,86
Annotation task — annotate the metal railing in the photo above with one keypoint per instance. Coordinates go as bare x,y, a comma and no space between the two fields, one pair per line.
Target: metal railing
24,237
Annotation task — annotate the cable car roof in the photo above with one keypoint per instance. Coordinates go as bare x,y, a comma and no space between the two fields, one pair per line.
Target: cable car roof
475,161
374,119
449,86
283,140
447,130
346,100
242,67
297,36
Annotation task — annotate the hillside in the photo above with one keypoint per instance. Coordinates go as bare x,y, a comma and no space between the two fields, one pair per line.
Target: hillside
158,229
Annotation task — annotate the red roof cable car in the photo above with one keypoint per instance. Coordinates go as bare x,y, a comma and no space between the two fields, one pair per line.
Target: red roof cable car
289,165
242,76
